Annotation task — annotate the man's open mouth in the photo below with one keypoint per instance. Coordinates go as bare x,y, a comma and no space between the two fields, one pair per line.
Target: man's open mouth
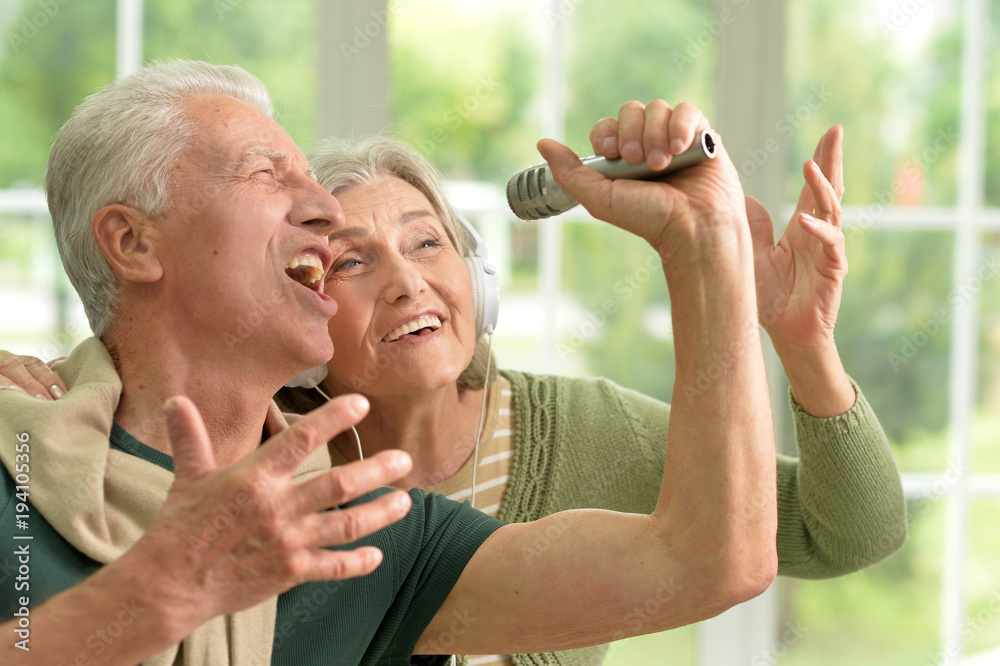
306,269
420,326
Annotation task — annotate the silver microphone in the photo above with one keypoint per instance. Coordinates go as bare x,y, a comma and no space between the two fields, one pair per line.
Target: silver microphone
534,195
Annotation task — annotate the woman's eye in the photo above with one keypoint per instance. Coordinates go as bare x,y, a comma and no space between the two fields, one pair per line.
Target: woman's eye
346,264
430,242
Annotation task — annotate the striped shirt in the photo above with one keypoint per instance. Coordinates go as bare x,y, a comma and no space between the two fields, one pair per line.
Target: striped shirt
492,469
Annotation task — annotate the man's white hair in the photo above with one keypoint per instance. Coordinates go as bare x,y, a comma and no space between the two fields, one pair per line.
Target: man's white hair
120,146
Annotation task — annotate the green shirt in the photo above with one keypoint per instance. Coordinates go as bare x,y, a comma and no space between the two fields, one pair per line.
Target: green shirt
373,619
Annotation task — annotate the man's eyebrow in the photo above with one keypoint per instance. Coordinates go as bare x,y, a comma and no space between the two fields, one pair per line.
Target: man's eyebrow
275,156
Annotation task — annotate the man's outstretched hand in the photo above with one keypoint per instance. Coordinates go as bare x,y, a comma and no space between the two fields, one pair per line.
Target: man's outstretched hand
273,532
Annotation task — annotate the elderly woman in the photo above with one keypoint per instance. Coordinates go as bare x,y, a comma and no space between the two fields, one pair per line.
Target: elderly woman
522,446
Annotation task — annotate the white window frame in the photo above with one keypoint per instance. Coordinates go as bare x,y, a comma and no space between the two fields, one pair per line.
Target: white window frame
355,98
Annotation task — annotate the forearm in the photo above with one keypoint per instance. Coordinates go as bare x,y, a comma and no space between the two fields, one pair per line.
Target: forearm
719,483
113,617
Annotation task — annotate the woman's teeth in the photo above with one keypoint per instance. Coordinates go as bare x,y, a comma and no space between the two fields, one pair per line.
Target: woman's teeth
305,269
427,321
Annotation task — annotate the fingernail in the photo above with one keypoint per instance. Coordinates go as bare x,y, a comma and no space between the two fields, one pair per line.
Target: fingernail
56,391
401,462
42,396
402,501
657,159
169,406
13,387
357,405
610,146
633,149
677,146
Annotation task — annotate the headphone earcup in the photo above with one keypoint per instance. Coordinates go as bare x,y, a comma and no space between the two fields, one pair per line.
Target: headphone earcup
476,280
485,282
311,378
485,293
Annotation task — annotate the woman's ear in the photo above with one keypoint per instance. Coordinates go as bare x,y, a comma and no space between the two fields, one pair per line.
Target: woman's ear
127,240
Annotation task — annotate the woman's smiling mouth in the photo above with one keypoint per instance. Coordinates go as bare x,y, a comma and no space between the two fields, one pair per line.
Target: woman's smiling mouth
431,322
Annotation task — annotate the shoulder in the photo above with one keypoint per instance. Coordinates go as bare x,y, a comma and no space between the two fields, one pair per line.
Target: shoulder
580,401
583,442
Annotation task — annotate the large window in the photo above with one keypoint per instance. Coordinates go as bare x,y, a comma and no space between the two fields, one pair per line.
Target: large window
475,84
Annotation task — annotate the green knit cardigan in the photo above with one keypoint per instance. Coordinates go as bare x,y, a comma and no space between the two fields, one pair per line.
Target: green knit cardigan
591,443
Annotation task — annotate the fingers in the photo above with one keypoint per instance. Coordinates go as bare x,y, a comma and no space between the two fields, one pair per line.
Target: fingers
686,122
346,526
829,156
832,238
631,127
825,233
340,565
761,229
281,454
604,138
826,202
656,140
348,482
651,132
31,375
582,183
189,441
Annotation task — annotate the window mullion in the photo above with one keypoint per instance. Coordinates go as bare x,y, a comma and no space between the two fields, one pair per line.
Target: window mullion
964,345
128,37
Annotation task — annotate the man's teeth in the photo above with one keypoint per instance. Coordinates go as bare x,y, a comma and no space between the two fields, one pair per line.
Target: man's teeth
427,321
305,268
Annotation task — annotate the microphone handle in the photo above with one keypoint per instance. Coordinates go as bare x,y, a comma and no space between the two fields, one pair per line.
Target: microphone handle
533,194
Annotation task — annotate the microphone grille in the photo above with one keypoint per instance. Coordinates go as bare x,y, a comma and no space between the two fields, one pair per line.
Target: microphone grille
528,194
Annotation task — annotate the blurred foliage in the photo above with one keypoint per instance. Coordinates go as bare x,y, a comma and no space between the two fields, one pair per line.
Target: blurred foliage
667,51
464,79
277,45
465,89
45,72
864,63
45,76
617,279
893,329
992,148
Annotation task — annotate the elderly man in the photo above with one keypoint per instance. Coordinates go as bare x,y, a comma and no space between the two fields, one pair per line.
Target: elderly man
192,227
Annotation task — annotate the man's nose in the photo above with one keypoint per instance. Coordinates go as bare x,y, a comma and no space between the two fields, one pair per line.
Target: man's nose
320,212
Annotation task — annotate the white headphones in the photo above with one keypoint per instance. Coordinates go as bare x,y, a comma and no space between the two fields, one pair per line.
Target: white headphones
485,283
485,299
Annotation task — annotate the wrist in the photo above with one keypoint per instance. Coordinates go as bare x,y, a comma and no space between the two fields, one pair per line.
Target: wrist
817,379
704,238
171,611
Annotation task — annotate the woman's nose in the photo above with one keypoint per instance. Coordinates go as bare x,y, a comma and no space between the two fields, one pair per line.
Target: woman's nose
405,280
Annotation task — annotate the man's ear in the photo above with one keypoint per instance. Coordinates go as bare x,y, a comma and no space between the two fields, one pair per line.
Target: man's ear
127,240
